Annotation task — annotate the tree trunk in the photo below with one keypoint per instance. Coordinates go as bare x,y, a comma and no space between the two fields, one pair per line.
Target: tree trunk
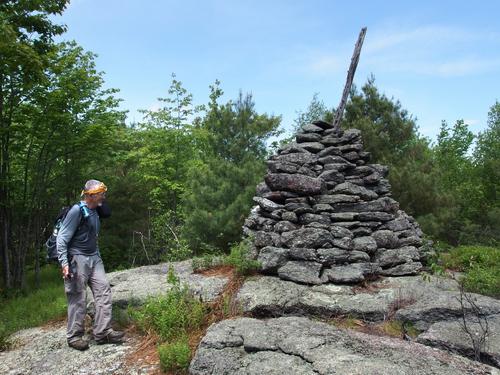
4,194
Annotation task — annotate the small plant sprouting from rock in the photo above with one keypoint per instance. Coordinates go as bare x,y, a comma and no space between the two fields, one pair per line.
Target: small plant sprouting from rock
400,301
474,322
175,356
172,277
239,258
171,317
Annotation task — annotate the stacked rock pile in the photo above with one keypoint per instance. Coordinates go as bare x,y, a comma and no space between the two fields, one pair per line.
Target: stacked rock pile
324,214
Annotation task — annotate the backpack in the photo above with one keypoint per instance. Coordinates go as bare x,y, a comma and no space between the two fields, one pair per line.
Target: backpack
51,243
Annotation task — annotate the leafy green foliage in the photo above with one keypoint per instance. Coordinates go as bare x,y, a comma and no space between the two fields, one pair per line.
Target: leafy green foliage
175,356
33,307
388,130
208,261
239,257
222,183
171,315
480,265
450,187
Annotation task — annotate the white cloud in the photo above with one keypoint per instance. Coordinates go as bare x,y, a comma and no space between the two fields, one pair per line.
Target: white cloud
421,36
472,122
154,107
427,65
428,50
325,64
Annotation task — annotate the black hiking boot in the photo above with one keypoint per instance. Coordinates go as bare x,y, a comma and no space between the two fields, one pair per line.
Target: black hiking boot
114,337
79,344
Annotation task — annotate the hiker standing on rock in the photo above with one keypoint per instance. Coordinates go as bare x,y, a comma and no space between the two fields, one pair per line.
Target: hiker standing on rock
79,257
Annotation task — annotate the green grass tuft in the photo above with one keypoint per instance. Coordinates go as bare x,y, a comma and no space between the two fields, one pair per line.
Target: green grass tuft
33,307
240,259
175,356
480,265
170,315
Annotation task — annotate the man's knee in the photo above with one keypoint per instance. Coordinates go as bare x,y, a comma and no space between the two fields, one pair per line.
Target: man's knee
101,290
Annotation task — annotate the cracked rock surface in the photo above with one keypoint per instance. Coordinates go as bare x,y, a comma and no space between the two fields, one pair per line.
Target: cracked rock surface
43,351
298,345
431,306
409,299
450,335
135,285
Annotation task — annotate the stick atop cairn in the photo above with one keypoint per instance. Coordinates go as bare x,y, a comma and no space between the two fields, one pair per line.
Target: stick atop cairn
350,77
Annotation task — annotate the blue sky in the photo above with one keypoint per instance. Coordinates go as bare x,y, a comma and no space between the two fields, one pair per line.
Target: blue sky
440,59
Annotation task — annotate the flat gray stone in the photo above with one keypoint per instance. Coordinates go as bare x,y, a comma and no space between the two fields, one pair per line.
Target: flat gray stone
271,258
450,335
312,146
432,307
329,151
307,137
386,239
352,189
343,274
267,204
297,158
295,345
392,257
279,167
279,297
337,198
311,128
384,204
295,183
44,351
307,237
409,268
135,285
305,272
375,216
365,243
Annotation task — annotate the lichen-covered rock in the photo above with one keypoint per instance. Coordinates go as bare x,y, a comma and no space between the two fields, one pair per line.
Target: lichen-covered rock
293,345
44,351
392,257
352,189
431,307
451,335
135,285
307,237
344,274
306,272
271,258
365,243
295,183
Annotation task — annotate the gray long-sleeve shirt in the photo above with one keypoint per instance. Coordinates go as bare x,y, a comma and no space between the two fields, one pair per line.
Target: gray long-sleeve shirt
77,235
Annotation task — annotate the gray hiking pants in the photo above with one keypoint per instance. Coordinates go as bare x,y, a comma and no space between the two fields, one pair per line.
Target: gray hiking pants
87,270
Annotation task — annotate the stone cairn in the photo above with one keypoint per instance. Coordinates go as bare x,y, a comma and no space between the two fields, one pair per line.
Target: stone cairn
325,215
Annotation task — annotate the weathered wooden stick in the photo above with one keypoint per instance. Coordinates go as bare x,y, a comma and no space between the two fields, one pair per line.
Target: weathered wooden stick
350,77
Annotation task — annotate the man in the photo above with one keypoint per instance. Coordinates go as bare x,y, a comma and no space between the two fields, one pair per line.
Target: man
81,263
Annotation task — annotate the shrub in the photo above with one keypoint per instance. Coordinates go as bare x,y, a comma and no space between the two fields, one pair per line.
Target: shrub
172,314
175,356
480,267
240,259
207,261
